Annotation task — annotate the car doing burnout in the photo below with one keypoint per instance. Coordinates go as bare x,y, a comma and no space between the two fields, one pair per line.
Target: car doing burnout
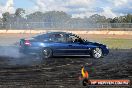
61,44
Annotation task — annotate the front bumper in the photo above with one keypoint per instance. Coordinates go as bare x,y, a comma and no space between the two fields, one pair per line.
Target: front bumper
105,52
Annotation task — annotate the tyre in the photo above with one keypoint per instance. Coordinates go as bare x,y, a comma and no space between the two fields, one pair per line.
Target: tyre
97,53
46,53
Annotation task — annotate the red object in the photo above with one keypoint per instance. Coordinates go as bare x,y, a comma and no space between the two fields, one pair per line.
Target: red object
27,42
86,74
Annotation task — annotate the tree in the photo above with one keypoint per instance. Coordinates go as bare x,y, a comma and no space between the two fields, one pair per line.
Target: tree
109,20
19,12
1,26
35,17
50,18
57,18
19,20
98,18
5,16
129,18
5,19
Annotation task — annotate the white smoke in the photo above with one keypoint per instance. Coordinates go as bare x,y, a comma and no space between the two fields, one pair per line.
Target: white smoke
108,12
8,7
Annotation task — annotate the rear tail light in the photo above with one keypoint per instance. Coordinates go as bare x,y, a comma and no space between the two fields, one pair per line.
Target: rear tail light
27,42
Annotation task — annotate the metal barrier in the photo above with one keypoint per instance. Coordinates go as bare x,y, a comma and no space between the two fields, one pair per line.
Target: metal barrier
72,26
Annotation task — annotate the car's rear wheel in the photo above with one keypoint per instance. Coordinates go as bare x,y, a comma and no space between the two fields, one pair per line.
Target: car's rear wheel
97,53
46,53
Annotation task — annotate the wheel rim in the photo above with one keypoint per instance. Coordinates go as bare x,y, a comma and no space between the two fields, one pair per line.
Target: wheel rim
97,53
46,53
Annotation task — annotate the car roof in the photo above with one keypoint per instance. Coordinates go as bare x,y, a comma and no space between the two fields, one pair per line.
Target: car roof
48,33
58,33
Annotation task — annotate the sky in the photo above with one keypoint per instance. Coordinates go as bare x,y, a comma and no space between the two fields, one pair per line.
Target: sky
76,8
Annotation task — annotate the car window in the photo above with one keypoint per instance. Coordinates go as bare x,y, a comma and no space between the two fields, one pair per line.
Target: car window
74,39
42,36
51,37
57,38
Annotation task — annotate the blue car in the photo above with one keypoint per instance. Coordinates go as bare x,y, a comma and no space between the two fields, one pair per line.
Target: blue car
61,44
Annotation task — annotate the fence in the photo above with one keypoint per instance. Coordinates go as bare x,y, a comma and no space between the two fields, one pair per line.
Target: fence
55,25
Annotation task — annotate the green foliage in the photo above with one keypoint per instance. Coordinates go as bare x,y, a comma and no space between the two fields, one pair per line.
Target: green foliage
6,16
61,19
19,12
54,16
122,19
98,18
116,43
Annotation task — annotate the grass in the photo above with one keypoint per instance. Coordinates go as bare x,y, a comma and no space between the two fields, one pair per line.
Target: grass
113,43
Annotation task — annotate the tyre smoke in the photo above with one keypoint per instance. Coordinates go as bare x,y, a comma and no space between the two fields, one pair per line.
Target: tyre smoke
10,51
12,57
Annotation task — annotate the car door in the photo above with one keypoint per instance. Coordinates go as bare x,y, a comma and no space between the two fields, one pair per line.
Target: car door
70,49
77,49
76,46
58,44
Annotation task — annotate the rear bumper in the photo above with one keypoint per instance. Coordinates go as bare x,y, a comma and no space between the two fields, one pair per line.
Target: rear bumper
29,50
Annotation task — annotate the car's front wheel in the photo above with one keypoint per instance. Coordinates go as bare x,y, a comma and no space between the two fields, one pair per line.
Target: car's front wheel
97,53
46,53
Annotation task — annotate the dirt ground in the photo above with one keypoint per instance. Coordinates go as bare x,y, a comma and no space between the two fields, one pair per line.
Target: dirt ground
62,72
18,71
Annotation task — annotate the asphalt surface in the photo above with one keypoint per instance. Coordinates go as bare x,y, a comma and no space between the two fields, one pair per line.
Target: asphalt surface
19,71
